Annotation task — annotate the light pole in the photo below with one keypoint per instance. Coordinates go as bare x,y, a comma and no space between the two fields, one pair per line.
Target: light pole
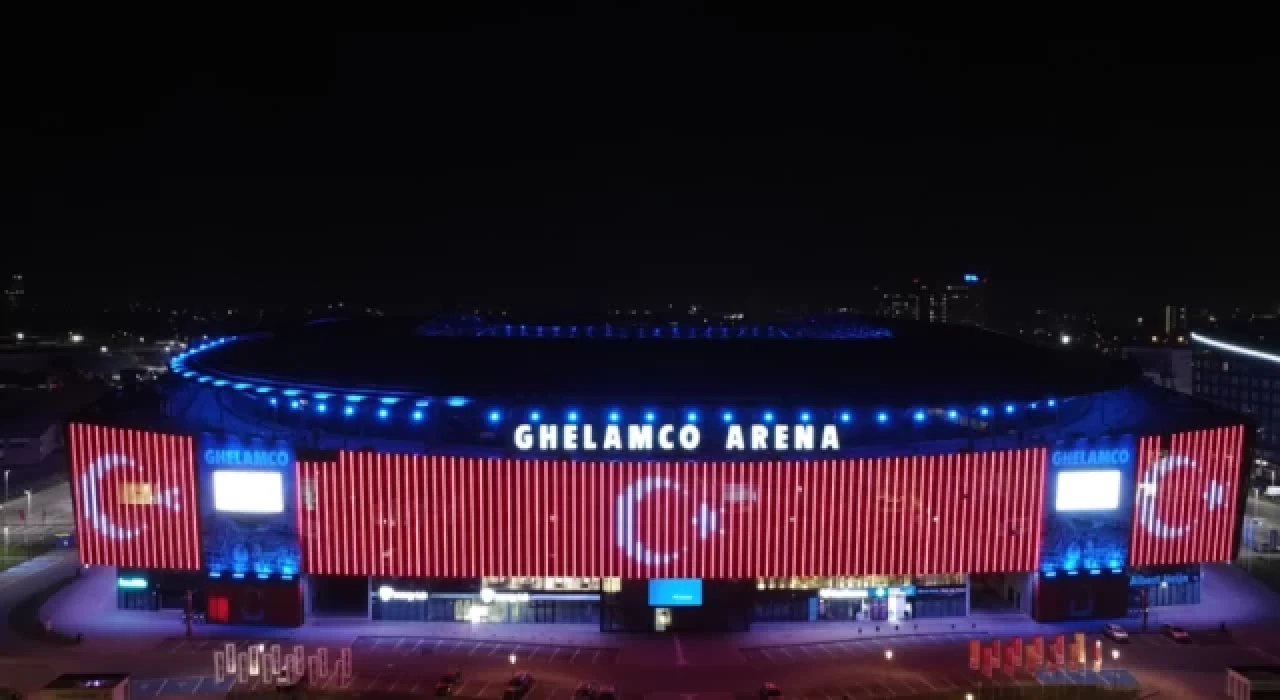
26,521
888,657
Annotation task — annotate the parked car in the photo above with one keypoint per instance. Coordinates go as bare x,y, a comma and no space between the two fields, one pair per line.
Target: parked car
585,691
1175,633
1115,633
606,692
448,683
770,691
518,686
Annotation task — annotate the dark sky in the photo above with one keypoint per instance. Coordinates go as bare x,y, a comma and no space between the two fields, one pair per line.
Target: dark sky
616,152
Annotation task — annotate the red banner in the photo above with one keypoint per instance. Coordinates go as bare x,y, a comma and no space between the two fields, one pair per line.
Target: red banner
402,515
1187,497
135,500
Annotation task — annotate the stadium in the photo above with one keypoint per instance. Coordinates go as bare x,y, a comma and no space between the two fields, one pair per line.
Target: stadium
652,476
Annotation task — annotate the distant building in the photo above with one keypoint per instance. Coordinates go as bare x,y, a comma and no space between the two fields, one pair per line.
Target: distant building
960,301
1242,374
1169,367
15,291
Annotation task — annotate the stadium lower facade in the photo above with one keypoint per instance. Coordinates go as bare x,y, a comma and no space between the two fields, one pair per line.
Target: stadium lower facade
651,478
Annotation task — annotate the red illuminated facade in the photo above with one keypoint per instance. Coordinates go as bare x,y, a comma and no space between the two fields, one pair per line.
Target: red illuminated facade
1187,498
435,516
134,494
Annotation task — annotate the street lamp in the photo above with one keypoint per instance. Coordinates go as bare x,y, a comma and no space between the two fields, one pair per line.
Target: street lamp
512,659
1115,654
888,655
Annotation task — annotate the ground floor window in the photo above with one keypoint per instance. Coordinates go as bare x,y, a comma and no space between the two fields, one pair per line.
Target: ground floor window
467,609
934,607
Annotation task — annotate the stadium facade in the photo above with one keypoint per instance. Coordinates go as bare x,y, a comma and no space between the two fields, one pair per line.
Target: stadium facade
652,477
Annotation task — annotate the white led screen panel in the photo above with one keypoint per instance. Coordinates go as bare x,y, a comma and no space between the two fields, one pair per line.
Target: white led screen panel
258,492
1087,491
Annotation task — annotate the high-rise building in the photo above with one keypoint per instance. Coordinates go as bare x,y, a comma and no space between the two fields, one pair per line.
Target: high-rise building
954,301
1242,373
14,291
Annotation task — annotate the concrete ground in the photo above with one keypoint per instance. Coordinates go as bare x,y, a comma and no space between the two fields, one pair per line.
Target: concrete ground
817,661
822,661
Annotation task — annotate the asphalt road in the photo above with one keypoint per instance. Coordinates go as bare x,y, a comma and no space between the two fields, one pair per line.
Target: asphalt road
825,671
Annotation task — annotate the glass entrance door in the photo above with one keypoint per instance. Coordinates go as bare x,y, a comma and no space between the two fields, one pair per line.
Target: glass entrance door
661,619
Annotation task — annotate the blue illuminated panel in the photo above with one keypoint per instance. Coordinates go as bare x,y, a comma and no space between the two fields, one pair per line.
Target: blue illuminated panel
675,592
248,518
1089,506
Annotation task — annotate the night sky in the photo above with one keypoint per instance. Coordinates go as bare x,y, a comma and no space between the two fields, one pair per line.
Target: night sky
640,155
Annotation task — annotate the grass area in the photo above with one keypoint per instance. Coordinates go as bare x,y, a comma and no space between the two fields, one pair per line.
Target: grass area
1265,569
18,551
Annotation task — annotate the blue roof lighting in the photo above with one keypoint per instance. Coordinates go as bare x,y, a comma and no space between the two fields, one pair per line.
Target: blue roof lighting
295,404
220,382
355,398
264,390
984,411
1052,403
727,416
805,416
495,416
691,417
1010,408
273,401
919,416
241,386
882,417
383,413
422,403
348,410
767,416
291,392
535,416
571,416
322,408
846,417
953,414
650,416
970,278
614,416
418,415
389,400
457,401
322,395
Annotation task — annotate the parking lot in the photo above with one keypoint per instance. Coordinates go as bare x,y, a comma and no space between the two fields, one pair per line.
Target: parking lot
177,645
935,644
479,650
191,685
887,686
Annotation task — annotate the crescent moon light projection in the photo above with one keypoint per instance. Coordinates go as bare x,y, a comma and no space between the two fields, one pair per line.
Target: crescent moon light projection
631,497
1149,493
91,498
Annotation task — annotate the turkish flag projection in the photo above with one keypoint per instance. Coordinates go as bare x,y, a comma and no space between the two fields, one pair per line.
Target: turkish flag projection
403,515
134,494
1187,497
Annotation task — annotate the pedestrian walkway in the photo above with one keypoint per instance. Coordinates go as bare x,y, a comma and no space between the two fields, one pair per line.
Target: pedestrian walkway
466,648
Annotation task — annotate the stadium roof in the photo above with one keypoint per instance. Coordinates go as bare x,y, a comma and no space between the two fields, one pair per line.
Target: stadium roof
814,361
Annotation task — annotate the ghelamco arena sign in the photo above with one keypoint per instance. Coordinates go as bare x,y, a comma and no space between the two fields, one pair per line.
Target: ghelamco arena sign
645,437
